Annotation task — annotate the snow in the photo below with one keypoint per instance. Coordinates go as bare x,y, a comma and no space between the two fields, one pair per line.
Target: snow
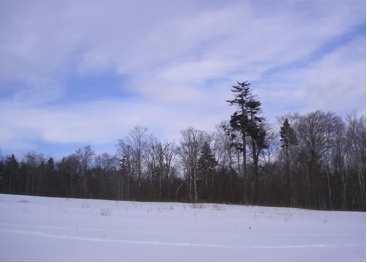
62,229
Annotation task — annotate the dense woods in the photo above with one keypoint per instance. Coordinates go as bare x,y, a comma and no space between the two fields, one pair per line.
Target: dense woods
315,160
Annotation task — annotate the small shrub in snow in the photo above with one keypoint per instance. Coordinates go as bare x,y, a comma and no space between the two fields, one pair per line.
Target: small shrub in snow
220,207
23,201
105,212
86,205
197,206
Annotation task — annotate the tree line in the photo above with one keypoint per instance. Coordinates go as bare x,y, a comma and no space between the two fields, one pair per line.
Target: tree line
315,160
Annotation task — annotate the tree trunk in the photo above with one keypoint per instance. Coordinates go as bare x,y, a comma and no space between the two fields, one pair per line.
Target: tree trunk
244,169
257,183
195,186
328,181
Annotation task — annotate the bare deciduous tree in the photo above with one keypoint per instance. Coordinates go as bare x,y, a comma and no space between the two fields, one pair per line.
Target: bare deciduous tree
188,150
125,154
138,141
356,150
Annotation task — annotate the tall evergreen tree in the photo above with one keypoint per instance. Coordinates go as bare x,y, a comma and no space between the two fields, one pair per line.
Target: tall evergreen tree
247,121
51,183
205,168
287,134
257,134
240,121
124,174
288,138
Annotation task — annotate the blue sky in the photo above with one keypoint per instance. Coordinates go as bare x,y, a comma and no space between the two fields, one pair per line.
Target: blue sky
78,73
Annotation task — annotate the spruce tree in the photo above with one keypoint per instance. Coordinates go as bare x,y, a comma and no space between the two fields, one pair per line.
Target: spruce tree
247,121
288,138
205,167
257,134
207,160
240,121
51,183
287,134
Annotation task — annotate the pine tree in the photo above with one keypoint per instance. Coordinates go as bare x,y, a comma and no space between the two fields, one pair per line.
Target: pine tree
247,121
125,176
288,137
257,134
205,167
240,121
287,134
51,183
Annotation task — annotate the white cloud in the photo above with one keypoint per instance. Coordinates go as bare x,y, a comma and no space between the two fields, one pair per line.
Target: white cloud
335,82
338,82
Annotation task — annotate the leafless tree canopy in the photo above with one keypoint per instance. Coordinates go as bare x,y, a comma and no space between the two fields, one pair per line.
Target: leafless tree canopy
315,160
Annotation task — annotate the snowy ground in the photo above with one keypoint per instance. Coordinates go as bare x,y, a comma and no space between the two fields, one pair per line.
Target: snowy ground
58,229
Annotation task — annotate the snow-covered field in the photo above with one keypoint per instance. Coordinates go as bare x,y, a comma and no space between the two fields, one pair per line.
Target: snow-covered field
60,229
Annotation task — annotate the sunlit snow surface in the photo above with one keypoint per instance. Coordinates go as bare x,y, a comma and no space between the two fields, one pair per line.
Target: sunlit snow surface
58,229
